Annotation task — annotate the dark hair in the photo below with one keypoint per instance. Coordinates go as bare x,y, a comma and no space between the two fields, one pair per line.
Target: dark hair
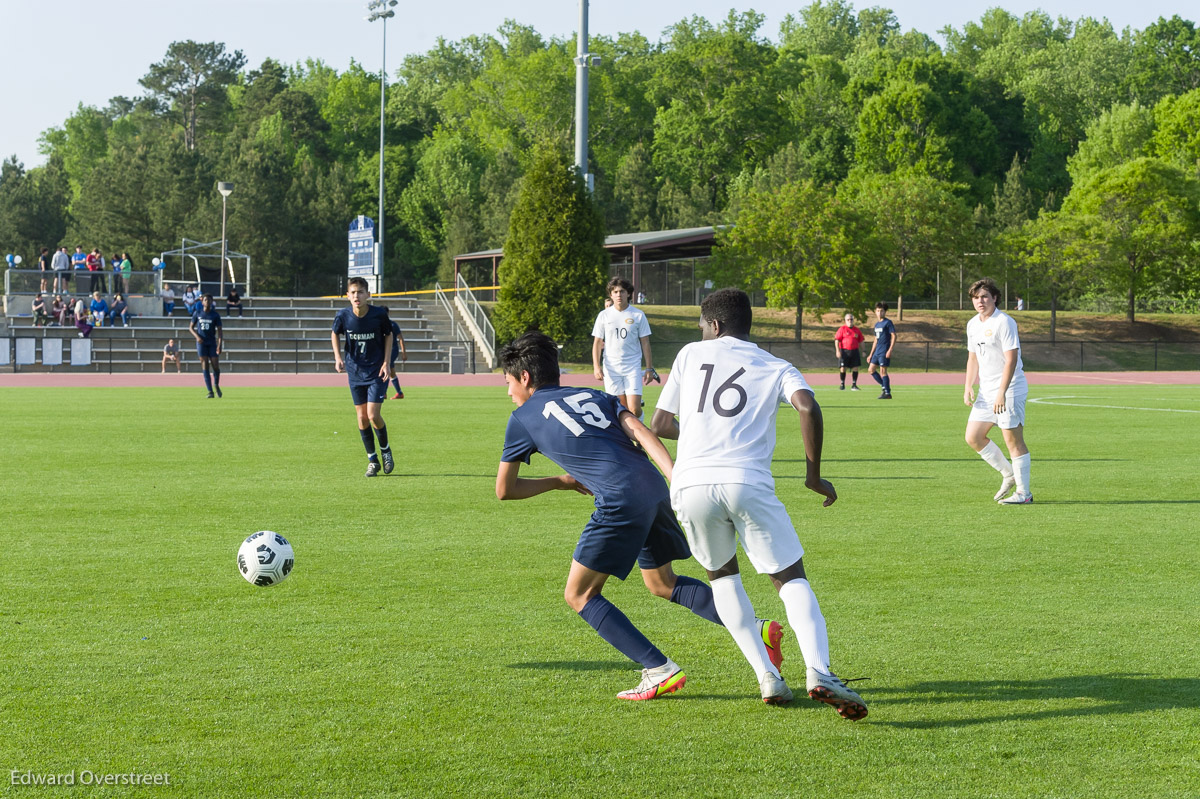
534,352
730,307
986,284
881,306
619,282
208,297
361,282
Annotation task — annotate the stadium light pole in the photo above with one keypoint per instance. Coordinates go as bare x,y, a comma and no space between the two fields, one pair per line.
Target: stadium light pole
583,59
381,9
226,189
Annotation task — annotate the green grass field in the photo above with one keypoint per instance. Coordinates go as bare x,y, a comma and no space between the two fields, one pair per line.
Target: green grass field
422,648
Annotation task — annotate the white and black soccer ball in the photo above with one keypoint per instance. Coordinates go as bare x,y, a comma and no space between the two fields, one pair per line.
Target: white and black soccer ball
265,558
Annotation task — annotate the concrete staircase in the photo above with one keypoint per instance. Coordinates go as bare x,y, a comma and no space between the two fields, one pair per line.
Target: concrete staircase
277,334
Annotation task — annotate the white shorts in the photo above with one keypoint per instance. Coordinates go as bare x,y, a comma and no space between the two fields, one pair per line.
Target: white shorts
623,381
1014,410
715,517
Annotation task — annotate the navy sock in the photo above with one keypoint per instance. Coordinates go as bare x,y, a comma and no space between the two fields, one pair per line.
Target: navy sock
697,597
616,628
875,376
208,381
381,434
396,383
887,384
368,440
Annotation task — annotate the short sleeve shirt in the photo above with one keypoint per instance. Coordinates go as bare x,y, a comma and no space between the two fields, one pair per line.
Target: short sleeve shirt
79,260
884,332
727,393
989,340
207,323
622,332
579,429
365,338
849,338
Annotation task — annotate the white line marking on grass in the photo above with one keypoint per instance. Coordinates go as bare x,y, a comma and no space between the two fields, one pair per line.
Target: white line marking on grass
1047,401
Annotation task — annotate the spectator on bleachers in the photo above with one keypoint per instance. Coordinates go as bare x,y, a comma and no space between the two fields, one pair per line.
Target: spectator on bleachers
40,317
116,270
81,322
99,309
60,264
172,353
44,267
120,308
191,300
126,270
79,266
233,302
59,311
168,298
95,265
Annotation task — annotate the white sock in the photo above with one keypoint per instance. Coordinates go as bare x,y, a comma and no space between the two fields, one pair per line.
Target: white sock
995,458
735,610
1021,467
804,614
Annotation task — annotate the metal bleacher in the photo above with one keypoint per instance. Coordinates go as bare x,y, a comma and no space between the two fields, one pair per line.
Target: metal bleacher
275,334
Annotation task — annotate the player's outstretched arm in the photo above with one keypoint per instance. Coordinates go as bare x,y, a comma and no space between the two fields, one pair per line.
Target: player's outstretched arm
509,485
648,374
385,371
1010,368
654,448
664,424
812,427
337,353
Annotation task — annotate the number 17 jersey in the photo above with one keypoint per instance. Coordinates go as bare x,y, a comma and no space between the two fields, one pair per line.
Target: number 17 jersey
727,392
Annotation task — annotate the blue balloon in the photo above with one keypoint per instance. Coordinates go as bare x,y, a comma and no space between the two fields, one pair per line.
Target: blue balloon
9,258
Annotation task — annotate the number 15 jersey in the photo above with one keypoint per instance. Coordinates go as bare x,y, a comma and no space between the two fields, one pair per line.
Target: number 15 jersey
726,393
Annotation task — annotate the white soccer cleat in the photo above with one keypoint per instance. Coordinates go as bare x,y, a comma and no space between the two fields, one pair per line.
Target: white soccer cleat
774,690
1018,499
832,691
1010,482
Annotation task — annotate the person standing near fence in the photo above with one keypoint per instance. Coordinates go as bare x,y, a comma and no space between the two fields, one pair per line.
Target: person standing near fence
994,358
846,342
61,266
881,350
44,268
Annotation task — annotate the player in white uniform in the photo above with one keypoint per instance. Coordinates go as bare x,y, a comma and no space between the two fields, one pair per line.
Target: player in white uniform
623,334
994,357
726,392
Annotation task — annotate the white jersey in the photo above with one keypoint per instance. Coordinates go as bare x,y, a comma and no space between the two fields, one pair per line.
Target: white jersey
622,332
989,341
727,392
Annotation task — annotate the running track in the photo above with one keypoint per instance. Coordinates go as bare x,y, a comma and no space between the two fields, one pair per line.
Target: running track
422,379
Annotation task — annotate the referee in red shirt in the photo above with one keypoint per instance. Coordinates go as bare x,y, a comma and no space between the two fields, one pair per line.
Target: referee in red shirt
846,342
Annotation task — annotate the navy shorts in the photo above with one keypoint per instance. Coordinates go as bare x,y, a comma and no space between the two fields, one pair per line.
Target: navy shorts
206,350
880,360
614,538
375,391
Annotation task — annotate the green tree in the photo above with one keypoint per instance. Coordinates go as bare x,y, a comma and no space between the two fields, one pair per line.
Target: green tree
1119,134
1166,59
1144,217
921,222
194,77
1051,253
1176,137
555,264
33,208
803,246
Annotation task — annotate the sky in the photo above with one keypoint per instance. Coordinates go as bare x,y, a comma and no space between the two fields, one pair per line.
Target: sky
55,56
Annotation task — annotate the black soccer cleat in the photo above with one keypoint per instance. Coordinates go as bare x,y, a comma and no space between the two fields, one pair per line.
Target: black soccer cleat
388,463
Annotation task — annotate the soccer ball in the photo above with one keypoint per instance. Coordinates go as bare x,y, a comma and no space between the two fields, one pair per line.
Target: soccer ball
265,558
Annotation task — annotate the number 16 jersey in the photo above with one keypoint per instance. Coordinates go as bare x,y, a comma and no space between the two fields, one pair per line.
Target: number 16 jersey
727,392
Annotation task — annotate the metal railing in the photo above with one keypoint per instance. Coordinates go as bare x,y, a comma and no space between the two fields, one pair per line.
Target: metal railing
474,311
439,294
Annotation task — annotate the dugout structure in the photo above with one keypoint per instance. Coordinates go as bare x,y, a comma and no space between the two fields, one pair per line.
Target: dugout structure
203,260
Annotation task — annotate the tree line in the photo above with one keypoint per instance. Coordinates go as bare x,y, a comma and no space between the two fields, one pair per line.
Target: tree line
852,159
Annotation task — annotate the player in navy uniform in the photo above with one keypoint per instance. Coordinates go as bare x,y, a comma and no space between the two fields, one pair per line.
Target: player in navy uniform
206,327
398,351
588,433
368,332
881,350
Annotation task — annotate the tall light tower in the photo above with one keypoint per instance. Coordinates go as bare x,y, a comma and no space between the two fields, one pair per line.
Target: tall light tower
226,189
381,9
583,59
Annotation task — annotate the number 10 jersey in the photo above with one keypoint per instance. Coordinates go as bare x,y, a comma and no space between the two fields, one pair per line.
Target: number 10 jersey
727,392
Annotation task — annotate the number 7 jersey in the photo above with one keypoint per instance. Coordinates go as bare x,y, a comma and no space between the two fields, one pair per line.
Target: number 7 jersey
578,429
727,392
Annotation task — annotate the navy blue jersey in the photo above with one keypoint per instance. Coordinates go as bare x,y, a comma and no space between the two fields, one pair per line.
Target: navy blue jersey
577,428
365,339
206,324
884,330
395,341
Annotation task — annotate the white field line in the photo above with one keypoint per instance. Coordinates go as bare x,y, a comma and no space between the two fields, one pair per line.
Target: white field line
1049,401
